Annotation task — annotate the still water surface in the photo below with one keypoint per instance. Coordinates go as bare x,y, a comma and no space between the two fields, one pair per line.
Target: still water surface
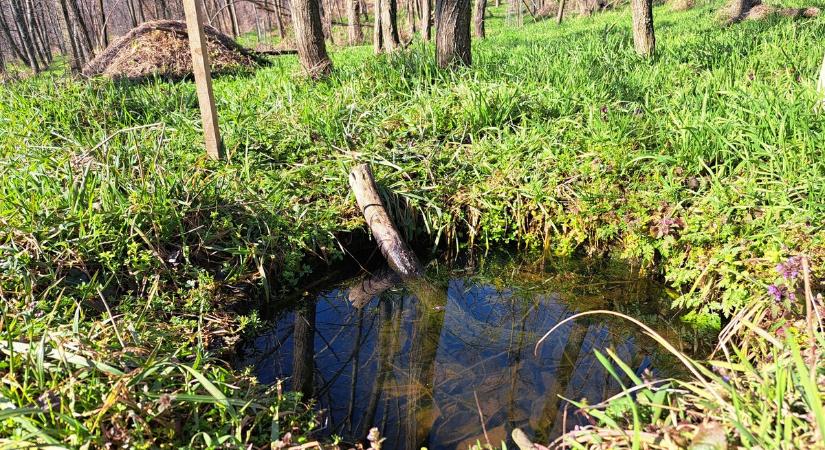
420,370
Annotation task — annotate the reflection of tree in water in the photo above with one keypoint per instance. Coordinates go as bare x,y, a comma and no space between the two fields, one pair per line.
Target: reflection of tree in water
412,369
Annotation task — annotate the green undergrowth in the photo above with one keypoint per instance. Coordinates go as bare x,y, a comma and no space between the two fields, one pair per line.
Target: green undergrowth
122,244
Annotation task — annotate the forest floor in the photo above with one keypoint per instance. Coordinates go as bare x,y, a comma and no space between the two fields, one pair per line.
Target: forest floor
123,249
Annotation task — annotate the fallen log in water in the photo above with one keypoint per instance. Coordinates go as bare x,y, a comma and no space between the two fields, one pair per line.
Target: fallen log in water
371,286
401,259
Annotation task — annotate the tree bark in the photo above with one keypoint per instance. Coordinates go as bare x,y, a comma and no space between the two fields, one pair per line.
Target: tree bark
309,38
85,39
6,29
399,256
389,25
24,35
560,14
644,39
104,24
354,28
64,23
377,35
452,33
233,17
279,22
481,9
326,21
426,19
411,17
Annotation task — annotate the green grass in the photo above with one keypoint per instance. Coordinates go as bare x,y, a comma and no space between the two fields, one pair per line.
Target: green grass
704,165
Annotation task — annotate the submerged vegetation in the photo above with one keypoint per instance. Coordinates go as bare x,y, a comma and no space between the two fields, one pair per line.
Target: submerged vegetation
128,261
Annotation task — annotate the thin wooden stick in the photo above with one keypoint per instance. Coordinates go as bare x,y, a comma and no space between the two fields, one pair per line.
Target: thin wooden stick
203,78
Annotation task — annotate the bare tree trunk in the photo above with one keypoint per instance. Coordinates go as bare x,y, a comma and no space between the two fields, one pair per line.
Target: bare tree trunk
560,14
411,17
84,31
426,19
130,5
43,25
481,9
233,16
309,38
326,21
355,33
257,24
24,34
66,31
104,27
6,29
377,35
452,33
39,42
643,38
389,25
279,22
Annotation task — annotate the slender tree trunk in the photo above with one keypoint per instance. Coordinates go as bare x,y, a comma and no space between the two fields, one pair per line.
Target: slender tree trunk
452,33
84,31
426,19
130,5
643,38
5,28
560,14
104,24
326,21
389,25
257,23
481,9
279,21
411,17
309,38
233,16
44,23
64,23
39,43
24,34
377,35
355,33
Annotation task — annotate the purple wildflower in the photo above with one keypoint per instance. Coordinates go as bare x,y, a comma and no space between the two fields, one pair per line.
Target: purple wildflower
778,292
790,268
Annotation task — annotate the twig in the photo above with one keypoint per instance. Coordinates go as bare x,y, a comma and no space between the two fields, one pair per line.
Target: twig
481,418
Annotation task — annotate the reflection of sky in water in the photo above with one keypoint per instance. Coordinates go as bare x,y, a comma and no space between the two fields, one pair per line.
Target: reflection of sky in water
415,371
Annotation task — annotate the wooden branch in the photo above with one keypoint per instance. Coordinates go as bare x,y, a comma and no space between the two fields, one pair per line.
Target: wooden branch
288,51
401,259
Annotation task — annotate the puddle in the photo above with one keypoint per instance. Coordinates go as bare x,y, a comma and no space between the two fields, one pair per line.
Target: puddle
420,370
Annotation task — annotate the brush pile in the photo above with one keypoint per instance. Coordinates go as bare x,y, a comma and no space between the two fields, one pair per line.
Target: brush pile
161,48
